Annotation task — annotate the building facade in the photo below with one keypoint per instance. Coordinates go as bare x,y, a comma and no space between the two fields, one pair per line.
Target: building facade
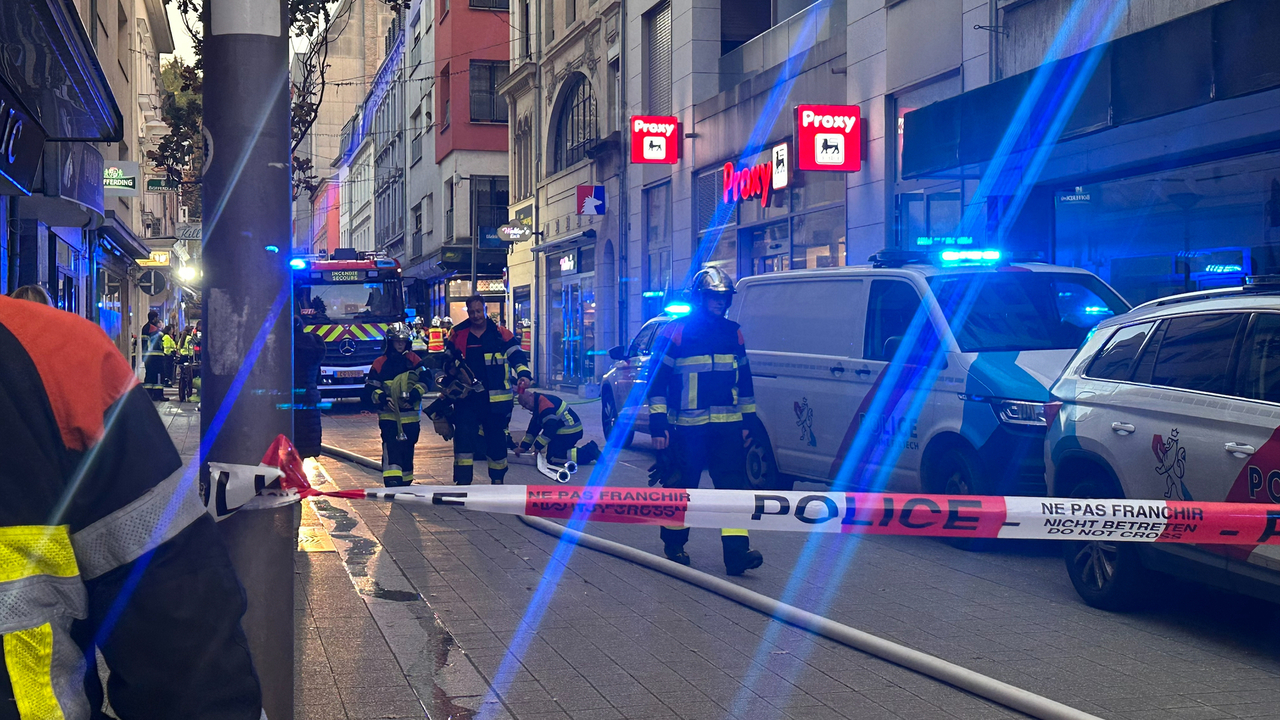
424,219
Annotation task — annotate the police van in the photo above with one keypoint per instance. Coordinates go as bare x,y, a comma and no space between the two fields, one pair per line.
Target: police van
916,373
1180,400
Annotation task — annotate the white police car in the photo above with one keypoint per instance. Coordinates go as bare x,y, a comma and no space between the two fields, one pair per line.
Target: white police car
1178,399
914,373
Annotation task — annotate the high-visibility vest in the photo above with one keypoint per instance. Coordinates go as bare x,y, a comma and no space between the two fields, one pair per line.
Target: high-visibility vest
526,339
435,340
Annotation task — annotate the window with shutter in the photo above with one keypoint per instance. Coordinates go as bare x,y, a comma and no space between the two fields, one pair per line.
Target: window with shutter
658,79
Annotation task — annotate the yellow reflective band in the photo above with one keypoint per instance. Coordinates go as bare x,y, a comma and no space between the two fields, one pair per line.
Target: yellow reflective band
498,464
569,430
461,459
690,421
28,656
732,532
541,441
656,409
28,550
499,396
675,527
726,417
522,368
747,408
693,360
392,472
690,400
528,439
408,477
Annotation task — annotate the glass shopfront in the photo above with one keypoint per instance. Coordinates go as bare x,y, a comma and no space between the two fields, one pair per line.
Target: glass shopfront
571,316
801,226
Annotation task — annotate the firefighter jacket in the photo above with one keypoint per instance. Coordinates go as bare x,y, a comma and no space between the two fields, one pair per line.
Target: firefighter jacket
104,542
551,416
153,341
703,376
395,376
492,357
435,340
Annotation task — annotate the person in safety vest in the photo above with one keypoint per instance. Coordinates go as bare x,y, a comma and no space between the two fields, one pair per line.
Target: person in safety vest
105,544
170,347
435,336
704,374
554,429
153,357
492,354
419,337
396,392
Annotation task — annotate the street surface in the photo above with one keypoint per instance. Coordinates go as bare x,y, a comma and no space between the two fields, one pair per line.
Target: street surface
618,640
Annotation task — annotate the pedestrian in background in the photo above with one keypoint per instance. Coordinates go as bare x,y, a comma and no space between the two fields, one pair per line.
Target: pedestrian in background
153,356
704,373
104,543
308,353
492,354
396,392
170,347
34,293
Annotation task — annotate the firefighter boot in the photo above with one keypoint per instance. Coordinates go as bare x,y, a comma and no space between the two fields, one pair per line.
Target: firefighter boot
673,541
738,555
588,453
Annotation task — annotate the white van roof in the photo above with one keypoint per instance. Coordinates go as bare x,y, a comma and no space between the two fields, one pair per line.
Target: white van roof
919,269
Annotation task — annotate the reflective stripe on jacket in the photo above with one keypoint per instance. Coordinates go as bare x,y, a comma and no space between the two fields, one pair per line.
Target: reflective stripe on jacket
493,357
551,416
92,484
435,340
703,376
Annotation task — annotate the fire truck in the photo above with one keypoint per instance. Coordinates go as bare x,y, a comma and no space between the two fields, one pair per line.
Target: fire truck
348,299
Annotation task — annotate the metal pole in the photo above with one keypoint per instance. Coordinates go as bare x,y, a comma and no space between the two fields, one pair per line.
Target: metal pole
247,375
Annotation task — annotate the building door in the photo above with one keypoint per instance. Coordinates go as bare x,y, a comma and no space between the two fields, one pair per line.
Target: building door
573,327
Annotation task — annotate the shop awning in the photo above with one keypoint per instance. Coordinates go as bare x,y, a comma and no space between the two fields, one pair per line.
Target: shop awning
1219,54
569,242
122,237
52,66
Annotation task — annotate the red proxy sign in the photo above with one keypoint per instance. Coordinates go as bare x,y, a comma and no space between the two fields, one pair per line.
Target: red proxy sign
655,139
829,137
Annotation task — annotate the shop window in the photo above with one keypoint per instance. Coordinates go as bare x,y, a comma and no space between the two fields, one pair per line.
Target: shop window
815,189
721,250
818,239
657,25
575,125
712,210
657,249
770,248
927,221
750,211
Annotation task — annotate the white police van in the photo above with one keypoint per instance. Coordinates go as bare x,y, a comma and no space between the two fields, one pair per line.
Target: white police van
913,373
1178,399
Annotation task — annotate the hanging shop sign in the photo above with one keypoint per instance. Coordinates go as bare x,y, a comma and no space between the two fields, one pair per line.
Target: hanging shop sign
120,178
828,137
655,139
591,200
757,180
159,258
21,142
514,233
161,185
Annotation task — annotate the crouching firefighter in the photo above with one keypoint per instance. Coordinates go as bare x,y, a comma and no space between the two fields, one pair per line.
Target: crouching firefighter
492,354
555,429
396,392
704,376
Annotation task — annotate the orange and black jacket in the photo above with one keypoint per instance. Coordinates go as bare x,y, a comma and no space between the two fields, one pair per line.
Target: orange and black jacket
551,416
388,367
492,357
104,541
703,377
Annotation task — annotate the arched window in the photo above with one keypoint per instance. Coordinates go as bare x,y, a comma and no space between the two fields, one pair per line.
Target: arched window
576,124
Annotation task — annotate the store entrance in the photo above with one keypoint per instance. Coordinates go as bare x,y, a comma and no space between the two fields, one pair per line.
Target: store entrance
571,330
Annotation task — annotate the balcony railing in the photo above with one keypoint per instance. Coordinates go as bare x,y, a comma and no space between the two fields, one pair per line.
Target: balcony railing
448,225
415,245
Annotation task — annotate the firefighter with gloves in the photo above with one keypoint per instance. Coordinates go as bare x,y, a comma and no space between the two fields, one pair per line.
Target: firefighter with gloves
701,404
396,392
492,354
554,429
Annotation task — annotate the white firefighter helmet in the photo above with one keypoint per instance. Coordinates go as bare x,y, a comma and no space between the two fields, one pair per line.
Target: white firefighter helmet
398,330
435,321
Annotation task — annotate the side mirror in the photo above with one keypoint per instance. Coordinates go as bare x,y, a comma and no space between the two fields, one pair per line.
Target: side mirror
617,352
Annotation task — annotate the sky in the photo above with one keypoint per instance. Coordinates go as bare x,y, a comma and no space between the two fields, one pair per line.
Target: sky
181,40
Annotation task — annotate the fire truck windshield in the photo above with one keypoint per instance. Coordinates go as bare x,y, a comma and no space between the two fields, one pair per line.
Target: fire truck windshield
350,302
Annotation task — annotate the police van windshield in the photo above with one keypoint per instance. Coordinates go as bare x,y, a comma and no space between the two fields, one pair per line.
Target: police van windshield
350,302
1023,310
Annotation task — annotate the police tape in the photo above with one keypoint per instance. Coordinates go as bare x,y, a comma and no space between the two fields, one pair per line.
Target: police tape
947,516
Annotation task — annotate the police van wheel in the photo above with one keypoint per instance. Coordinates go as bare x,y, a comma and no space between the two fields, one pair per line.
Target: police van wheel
1106,575
609,418
955,471
762,470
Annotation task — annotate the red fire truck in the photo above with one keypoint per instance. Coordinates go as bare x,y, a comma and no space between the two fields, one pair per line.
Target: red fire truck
349,300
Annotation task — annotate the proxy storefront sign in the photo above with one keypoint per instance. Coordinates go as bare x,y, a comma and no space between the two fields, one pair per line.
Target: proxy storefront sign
745,183
655,139
828,138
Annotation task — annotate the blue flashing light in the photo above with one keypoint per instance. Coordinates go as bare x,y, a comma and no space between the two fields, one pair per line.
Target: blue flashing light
298,264
1097,310
272,248
678,309
1223,268
652,293
961,257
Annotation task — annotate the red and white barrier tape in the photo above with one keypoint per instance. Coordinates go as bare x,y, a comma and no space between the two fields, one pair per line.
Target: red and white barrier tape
958,516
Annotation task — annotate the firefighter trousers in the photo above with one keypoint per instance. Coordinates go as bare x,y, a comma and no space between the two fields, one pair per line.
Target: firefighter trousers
563,448
481,433
718,449
397,455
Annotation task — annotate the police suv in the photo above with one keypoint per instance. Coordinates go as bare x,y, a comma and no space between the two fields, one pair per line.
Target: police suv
1178,399
915,373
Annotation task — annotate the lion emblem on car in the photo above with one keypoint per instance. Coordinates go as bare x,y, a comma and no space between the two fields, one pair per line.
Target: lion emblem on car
1171,465
804,421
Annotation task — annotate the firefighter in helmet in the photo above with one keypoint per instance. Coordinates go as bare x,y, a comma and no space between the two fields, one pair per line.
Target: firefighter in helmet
704,376
396,393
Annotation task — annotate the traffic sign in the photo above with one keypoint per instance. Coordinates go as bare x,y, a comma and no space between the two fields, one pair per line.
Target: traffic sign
152,282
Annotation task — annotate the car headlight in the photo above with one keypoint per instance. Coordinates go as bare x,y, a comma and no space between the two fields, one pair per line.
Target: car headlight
1019,412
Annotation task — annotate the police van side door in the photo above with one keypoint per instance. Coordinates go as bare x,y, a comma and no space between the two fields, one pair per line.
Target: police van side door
802,370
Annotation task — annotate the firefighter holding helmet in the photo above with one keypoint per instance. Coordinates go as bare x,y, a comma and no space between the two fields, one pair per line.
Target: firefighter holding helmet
701,404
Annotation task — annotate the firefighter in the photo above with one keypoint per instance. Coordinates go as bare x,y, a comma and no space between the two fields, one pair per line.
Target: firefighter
396,392
493,354
705,376
153,356
419,337
435,336
554,429
106,550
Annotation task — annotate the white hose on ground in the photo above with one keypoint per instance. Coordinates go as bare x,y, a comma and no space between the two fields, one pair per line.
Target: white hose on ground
1015,698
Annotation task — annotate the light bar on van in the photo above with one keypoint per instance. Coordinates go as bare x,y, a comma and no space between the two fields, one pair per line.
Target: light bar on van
966,257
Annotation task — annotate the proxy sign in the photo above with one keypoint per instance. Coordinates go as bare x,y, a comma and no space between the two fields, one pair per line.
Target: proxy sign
828,137
655,139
